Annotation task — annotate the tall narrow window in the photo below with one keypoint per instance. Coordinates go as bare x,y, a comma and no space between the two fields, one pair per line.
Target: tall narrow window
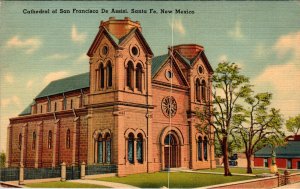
68,139
100,149
65,103
109,74
199,148
20,141
138,77
131,148
71,104
101,71
55,106
129,74
41,109
197,88
139,148
33,140
205,148
108,148
203,90
50,140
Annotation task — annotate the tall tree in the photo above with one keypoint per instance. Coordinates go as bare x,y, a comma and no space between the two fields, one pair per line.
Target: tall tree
257,124
293,124
228,87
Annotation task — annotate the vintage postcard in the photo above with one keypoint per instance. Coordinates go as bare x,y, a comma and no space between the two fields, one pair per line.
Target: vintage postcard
150,94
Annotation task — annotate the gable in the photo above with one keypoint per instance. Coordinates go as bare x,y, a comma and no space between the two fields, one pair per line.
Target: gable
98,39
201,57
119,42
137,35
163,73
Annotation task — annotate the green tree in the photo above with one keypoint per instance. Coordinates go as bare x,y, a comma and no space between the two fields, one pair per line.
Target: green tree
257,124
2,159
293,124
228,87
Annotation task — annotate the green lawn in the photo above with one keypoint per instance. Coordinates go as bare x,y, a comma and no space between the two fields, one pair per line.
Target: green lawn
241,170
63,185
177,179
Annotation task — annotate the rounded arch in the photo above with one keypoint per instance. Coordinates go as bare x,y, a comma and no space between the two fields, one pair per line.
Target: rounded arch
102,132
107,61
127,62
197,135
140,131
177,133
128,131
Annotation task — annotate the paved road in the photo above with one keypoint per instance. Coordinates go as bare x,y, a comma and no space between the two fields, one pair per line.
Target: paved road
104,183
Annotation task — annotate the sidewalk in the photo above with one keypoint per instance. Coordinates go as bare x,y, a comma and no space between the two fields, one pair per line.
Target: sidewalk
104,183
295,185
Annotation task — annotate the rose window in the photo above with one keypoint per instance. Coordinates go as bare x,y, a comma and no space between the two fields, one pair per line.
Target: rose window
169,106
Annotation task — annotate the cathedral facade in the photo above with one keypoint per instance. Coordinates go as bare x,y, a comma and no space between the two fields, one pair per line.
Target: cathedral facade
132,109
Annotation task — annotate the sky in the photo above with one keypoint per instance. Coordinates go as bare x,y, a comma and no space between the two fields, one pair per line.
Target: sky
261,37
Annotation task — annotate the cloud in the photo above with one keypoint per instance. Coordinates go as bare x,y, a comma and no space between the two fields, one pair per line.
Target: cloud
55,76
76,36
223,58
57,56
83,58
283,79
288,43
29,83
9,78
11,101
236,32
29,45
177,26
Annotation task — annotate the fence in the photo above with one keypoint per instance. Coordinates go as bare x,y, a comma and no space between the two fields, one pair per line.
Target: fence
73,172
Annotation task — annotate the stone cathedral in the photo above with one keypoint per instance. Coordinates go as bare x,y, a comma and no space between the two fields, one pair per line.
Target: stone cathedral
132,109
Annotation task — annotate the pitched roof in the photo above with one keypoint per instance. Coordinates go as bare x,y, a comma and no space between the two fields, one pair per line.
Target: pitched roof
65,85
118,41
27,110
157,62
291,150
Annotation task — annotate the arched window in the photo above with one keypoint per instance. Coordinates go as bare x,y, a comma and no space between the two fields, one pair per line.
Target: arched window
71,104
109,74
199,144
68,139
197,88
50,139
170,140
100,149
205,148
20,141
203,90
101,75
129,75
139,148
33,140
138,77
108,148
131,148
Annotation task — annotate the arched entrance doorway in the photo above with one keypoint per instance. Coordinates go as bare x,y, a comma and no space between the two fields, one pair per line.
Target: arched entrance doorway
171,151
